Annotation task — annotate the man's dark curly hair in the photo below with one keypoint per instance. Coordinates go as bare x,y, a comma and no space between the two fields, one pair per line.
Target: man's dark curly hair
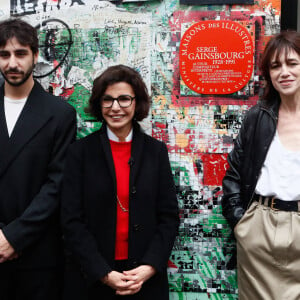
22,31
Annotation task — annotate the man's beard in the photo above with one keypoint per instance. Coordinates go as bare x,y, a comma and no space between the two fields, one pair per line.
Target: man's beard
24,79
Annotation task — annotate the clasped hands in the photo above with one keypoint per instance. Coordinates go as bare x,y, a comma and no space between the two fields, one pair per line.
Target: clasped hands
128,282
7,252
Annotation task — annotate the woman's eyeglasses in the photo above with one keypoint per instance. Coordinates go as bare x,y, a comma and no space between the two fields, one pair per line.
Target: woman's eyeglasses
123,101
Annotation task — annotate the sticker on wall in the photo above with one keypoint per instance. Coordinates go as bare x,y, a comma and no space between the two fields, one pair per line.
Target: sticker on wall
216,57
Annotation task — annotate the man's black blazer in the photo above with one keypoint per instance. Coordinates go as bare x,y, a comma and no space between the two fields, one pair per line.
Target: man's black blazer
31,165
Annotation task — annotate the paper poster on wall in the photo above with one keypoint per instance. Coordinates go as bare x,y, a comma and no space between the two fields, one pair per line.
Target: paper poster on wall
216,57
220,2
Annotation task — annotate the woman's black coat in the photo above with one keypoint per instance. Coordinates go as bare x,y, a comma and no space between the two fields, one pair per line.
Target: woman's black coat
89,208
247,158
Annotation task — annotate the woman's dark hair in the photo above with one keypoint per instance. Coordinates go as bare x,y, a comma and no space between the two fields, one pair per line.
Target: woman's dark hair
281,43
115,74
22,31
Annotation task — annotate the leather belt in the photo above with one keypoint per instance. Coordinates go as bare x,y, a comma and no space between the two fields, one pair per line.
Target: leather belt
277,204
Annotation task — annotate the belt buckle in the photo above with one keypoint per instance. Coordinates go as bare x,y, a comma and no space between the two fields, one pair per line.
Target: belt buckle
273,203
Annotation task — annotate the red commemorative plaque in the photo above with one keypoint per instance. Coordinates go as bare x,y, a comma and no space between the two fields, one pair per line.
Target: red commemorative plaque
216,57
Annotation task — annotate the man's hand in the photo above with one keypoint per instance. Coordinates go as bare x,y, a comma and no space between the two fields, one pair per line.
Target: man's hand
7,252
138,275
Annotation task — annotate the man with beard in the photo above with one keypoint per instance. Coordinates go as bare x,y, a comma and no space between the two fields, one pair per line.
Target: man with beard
35,131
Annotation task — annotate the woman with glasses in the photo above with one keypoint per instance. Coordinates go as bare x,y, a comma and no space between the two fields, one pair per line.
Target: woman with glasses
119,206
261,187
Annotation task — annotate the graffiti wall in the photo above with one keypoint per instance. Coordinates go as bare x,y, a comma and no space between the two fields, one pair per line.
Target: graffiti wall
80,38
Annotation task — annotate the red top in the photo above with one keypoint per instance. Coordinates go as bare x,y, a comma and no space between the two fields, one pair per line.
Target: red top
121,154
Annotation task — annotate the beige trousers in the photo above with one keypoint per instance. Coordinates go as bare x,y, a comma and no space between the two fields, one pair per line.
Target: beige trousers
268,254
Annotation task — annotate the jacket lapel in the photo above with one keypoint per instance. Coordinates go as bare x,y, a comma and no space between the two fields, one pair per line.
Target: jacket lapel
107,153
32,118
3,126
136,151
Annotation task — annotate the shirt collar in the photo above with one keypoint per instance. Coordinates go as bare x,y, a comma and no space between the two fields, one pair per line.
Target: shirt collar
113,137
